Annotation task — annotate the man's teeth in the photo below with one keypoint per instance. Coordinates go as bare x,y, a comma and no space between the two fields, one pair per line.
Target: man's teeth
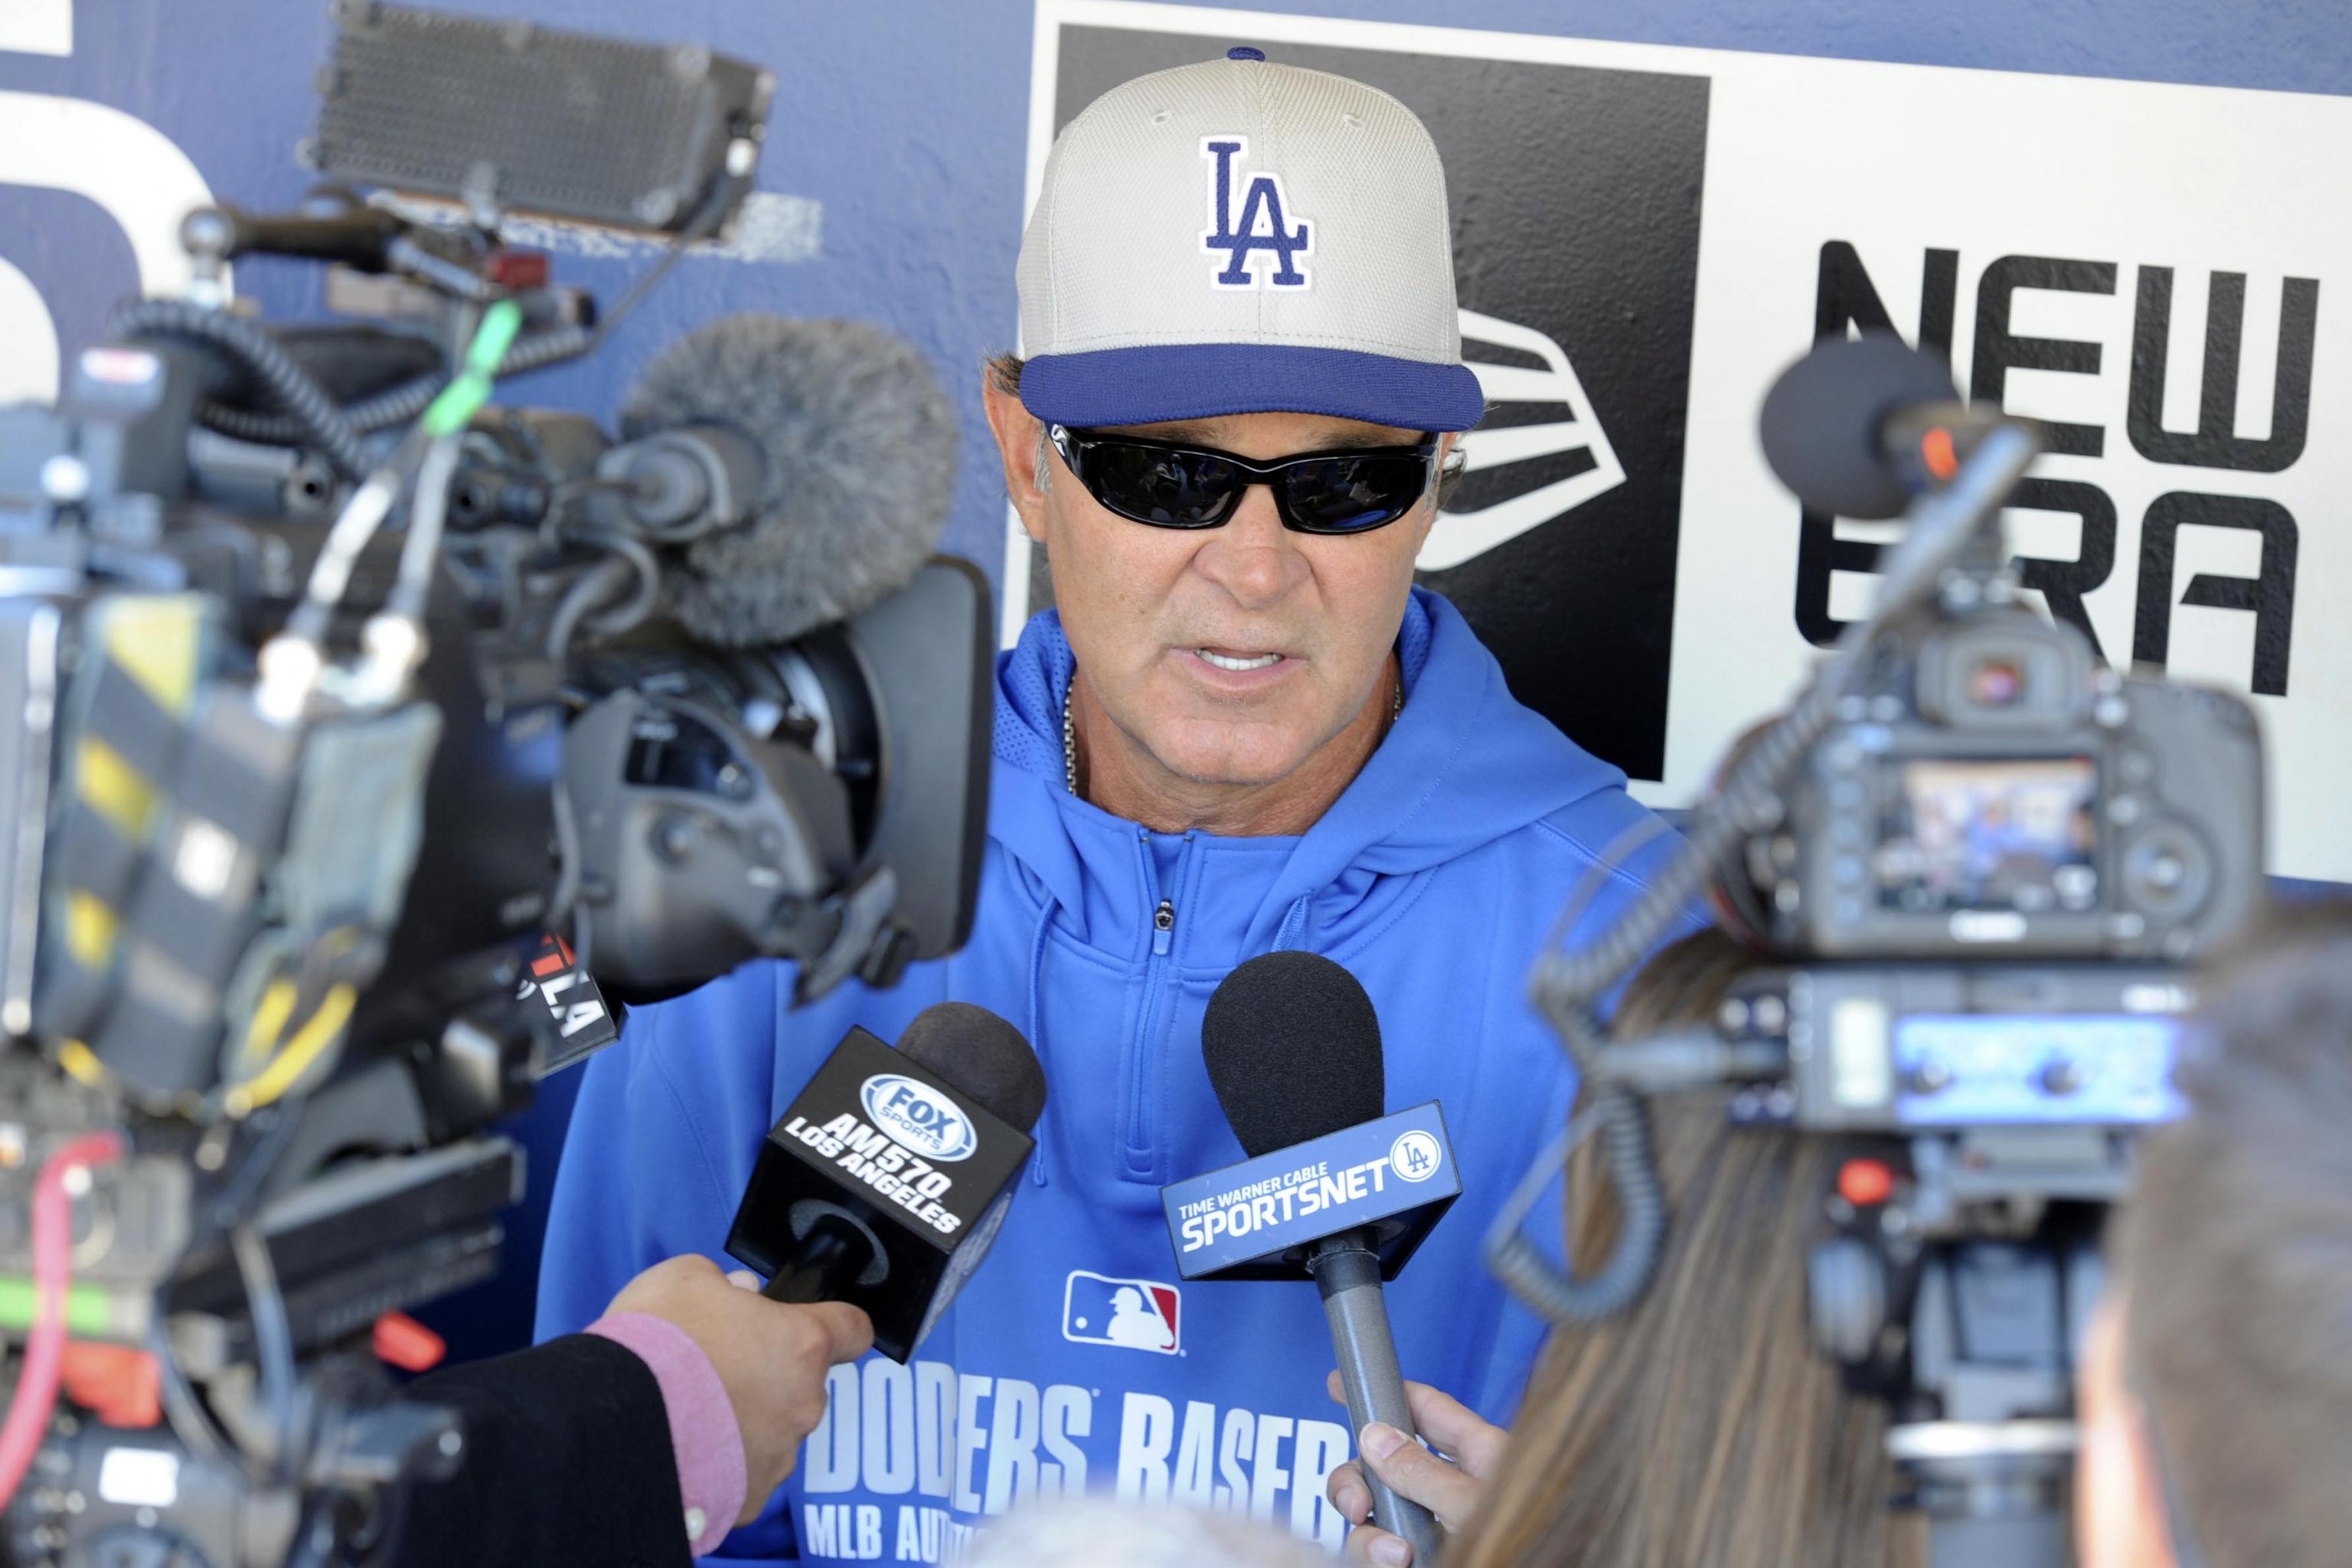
1224,661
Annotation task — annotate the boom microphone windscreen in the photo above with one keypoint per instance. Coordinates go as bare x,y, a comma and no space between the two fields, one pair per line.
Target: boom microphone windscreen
857,448
980,1054
1824,422
1293,1048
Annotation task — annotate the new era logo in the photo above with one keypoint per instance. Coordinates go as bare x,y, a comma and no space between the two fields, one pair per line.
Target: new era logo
1564,425
1133,1314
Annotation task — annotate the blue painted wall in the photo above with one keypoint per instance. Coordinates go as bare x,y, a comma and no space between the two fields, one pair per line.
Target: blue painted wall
908,121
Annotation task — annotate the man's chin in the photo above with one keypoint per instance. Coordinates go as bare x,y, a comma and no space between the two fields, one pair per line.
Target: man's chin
1225,770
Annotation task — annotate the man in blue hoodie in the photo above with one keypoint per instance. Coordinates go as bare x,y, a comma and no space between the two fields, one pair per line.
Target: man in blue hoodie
1242,729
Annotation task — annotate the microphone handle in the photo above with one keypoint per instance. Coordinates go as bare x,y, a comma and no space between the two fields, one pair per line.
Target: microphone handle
830,1257
1348,1272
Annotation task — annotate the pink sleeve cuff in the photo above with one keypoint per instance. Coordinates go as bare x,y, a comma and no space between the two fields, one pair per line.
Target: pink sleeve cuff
703,1433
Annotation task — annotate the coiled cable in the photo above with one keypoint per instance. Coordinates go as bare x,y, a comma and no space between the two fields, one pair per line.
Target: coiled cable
1568,984
401,404
315,415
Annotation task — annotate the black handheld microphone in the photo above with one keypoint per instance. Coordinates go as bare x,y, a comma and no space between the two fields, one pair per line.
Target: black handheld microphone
1860,426
1293,1048
802,469
888,1176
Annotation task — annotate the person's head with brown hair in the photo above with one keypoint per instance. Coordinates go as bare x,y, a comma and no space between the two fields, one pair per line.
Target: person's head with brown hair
1702,1429
2216,1390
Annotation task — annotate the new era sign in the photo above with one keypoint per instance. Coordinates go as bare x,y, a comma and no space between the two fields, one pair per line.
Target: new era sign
2158,272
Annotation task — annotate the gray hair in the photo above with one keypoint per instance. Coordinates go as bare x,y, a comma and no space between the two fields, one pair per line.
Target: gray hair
1004,375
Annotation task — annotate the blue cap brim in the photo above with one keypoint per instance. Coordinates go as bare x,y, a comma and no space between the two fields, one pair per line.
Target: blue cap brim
1201,381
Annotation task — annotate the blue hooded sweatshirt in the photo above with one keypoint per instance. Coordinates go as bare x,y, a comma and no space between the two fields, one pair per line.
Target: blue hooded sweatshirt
1074,1358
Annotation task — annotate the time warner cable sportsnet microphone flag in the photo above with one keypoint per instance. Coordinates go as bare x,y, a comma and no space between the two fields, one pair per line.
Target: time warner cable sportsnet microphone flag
1292,1045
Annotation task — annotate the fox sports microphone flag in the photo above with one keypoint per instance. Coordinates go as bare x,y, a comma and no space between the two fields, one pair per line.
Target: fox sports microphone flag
884,1183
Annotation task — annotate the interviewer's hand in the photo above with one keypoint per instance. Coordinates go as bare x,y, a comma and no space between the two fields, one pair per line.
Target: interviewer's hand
1451,1492
771,1357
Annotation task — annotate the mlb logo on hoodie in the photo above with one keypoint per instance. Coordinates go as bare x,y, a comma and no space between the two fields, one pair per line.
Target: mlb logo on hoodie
1135,1314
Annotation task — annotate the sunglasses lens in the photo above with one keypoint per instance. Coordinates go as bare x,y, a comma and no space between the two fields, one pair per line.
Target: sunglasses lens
1172,490
1348,495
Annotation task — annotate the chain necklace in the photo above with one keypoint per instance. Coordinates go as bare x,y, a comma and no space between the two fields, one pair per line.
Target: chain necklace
1070,730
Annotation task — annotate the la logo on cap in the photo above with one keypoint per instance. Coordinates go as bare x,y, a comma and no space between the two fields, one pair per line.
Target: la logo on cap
1264,225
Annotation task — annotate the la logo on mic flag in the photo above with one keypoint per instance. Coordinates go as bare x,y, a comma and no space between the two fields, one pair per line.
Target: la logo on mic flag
1395,1175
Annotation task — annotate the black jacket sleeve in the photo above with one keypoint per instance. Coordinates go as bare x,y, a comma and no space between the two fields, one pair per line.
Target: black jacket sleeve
567,1461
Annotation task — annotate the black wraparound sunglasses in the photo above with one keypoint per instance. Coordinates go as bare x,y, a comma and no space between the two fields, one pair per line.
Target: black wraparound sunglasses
1169,485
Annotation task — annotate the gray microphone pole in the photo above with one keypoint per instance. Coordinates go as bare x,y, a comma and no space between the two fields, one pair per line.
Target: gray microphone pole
1347,1272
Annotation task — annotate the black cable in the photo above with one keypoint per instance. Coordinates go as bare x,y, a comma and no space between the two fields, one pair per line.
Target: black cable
313,1547
1623,1127
1568,984
600,581
1941,528
398,406
402,404
536,351
719,200
564,904
320,420
228,1207
190,1423
273,1343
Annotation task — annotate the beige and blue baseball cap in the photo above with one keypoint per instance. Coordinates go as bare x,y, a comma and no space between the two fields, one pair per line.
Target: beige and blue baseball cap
1240,237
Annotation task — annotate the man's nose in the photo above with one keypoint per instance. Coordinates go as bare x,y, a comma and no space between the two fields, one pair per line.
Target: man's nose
1253,557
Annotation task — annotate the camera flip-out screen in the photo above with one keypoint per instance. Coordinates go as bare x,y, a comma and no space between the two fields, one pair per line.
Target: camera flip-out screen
2009,833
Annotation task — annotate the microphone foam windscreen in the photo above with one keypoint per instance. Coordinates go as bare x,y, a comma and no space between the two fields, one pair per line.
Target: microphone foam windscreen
859,451
1293,1048
985,1059
1823,422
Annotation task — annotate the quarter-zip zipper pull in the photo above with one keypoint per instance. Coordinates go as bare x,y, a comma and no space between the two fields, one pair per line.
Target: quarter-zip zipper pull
1163,927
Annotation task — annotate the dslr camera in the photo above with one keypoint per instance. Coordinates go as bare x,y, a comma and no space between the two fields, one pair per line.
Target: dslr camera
1987,790
1979,868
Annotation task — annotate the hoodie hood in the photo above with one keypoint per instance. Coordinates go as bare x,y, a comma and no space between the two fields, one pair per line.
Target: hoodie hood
1463,765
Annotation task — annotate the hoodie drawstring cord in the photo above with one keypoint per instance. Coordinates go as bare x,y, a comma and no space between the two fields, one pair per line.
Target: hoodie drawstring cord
1037,1020
1293,931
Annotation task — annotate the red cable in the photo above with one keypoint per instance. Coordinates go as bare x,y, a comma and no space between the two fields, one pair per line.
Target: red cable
37,1380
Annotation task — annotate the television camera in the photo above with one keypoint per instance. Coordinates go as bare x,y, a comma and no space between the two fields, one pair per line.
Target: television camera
363,719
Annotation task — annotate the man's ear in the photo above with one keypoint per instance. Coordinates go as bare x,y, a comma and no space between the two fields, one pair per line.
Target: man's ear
1016,431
